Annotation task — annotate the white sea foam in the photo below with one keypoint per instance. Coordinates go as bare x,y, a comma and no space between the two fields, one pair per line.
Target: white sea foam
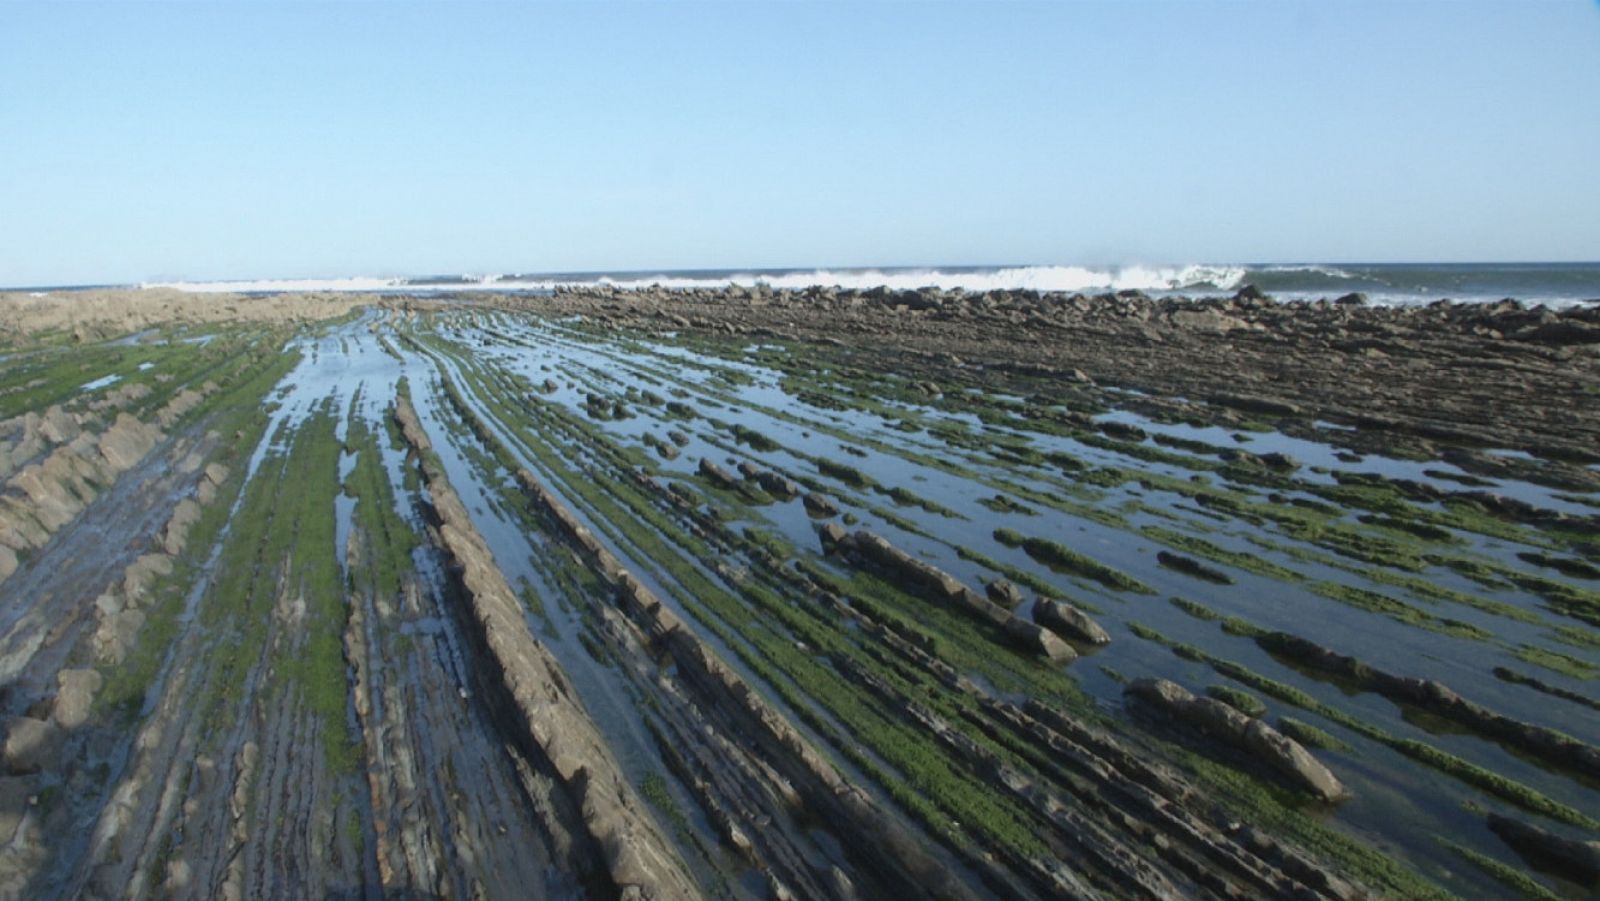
1037,278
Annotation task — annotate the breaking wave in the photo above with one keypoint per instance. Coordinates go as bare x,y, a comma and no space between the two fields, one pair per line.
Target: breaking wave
1036,278
1556,284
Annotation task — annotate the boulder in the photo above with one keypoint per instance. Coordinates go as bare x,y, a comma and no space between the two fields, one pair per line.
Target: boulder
1069,621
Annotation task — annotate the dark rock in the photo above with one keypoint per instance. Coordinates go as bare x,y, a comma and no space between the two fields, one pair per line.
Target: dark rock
721,477
819,504
1580,858
1193,567
777,485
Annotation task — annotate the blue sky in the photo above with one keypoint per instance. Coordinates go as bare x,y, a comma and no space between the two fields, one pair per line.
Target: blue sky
234,140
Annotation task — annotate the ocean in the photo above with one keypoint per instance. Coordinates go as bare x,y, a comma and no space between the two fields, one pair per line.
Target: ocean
1551,284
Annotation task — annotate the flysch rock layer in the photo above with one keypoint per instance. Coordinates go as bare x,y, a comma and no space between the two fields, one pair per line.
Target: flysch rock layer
641,862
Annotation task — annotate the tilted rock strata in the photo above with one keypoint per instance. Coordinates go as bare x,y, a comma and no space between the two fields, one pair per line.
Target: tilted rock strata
1437,698
1496,375
929,581
641,862
1251,736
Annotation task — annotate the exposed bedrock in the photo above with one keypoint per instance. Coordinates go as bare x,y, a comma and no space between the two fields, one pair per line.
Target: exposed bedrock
1437,698
928,581
551,720
893,853
1253,737
95,314
1579,858
1491,375
44,496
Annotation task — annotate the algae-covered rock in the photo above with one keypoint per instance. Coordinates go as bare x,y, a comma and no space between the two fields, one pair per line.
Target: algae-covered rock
1253,737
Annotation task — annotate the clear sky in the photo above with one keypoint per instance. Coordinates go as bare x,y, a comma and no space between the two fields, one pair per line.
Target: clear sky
234,140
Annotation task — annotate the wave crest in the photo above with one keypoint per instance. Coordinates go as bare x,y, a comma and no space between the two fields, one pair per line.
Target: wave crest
1035,278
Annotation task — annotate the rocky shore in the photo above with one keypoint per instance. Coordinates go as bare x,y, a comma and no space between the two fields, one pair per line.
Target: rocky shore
1499,375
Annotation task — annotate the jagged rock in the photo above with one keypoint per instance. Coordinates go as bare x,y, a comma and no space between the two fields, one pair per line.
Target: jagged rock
53,502
178,407
116,635
141,572
8,561
75,691
177,532
820,504
1069,620
126,442
58,426
30,745
1250,736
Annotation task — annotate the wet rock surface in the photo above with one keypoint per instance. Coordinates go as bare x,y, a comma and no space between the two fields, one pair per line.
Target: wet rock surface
1414,370
1251,736
444,616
